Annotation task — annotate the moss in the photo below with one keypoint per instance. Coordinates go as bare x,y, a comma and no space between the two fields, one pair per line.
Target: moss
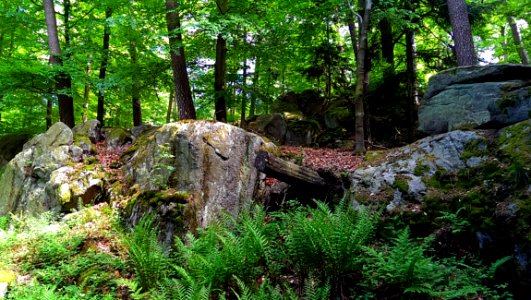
157,198
375,157
475,148
401,183
421,169
91,160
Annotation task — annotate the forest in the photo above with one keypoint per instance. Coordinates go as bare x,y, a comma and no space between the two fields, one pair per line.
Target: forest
252,149
127,63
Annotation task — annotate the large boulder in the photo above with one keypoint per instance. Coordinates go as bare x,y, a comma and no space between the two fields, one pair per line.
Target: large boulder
189,173
45,176
469,97
469,190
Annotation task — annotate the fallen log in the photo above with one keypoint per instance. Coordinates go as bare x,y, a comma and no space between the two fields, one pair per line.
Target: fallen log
288,172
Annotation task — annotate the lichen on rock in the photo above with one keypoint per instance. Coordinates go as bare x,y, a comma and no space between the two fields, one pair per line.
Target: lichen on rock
213,162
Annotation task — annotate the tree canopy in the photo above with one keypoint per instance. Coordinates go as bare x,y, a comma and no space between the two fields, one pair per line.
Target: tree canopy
269,48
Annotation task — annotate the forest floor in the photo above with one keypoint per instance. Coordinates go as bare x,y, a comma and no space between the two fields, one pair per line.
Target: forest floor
330,159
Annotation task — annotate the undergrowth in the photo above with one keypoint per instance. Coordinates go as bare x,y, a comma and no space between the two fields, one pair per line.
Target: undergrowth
301,253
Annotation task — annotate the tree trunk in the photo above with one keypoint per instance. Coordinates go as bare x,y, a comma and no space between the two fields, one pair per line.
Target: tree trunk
359,93
49,112
86,94
518,41
353,36
170,106
135,86
256,77
62,80
220,70
462,33
103,66
244,94
388,54
504,43
412,93
178,62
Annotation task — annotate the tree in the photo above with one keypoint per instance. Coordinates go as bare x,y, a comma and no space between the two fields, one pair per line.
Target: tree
359,93
220,69
103,66
462,33
178,62
518,41
63,82
135,85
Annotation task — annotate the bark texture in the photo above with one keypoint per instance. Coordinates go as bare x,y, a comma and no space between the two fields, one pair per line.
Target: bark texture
220,70
103,67
462,33
524,58
63,82
360,79
135,87
178,62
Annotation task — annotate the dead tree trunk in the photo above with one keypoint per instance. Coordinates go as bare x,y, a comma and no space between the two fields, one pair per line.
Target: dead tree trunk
305,184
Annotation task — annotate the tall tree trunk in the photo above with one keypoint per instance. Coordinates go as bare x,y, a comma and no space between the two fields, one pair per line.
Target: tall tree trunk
353,36
412,92
220,70
178,62
66,21
462,33
524,58
63,81
388,54
135,86
244,95
49,112
503,33
256,77
170,106
103,66
86,94
359,93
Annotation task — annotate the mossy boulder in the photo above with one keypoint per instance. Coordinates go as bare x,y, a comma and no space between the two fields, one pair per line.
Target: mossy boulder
212,162
404,172
491,96
86,135
470,190
45,176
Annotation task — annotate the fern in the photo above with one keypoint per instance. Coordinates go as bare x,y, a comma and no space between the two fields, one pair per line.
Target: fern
319,239
147,256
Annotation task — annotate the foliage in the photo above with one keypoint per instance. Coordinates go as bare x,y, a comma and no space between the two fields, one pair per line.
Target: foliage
147,256
298,253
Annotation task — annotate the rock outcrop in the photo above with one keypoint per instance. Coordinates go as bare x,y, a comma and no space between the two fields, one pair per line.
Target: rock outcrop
470,190
401,174
470,97
44,177
200,169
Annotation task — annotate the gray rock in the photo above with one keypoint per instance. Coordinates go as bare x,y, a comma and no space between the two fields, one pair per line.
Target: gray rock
116,137
490,96
400,176
274,126
211,162
41,177
86,135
